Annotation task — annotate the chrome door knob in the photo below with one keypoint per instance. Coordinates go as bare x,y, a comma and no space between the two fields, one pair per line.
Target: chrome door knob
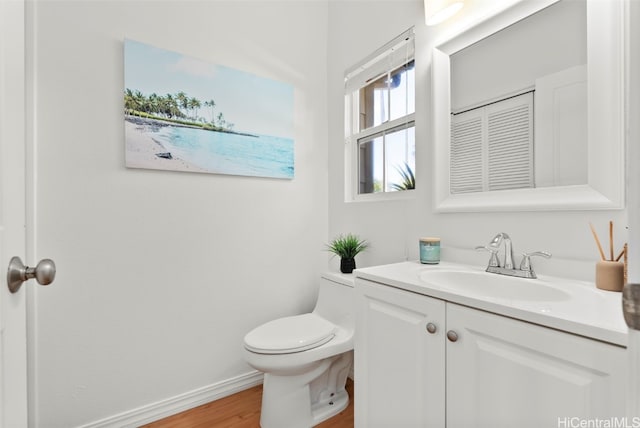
44,273
452,336
431,328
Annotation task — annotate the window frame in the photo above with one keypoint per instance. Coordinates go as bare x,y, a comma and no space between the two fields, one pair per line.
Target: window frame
387,128
356,78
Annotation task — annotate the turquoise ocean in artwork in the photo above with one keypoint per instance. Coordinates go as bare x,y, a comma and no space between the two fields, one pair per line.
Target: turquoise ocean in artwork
220,119
229,153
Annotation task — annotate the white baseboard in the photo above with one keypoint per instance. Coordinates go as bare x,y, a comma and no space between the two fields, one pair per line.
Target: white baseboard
170,406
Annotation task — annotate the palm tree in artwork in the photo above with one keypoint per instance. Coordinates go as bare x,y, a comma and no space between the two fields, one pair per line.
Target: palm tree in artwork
153,103
211,104
139,100
194,104
171,107
221,120
182,100
130,103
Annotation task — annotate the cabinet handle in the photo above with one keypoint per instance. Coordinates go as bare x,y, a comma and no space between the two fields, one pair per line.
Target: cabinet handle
431,328
452,335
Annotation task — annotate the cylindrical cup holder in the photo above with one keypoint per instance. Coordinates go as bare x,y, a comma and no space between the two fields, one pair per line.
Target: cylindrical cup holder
610,275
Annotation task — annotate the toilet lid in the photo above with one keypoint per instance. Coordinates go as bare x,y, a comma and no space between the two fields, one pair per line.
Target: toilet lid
290,334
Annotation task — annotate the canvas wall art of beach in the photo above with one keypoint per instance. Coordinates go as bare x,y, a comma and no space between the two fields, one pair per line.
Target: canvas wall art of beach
185,114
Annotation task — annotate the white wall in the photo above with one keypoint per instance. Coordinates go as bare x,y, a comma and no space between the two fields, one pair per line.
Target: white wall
394,227
160,274
550,41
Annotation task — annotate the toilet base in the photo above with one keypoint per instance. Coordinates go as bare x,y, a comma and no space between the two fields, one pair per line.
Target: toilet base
322,412
301,414
305,400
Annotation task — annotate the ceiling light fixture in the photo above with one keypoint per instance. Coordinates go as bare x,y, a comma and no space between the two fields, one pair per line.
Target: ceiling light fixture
437,11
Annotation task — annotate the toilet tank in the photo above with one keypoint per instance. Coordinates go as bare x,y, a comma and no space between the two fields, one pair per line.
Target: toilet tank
336,299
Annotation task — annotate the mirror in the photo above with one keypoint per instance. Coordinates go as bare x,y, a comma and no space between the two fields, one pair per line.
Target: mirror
568,95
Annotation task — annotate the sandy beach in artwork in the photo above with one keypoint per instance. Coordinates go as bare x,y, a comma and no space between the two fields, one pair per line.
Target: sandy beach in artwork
142,150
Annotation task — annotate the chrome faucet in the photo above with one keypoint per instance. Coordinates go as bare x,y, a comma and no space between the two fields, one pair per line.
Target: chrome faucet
525,270
508,248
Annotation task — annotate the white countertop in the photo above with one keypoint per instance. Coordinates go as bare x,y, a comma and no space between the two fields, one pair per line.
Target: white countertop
587,310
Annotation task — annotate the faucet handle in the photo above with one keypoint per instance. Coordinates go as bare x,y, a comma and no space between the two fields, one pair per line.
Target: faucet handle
493,260
525,264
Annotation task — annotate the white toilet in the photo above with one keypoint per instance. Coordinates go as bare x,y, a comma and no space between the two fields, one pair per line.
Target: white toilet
306,359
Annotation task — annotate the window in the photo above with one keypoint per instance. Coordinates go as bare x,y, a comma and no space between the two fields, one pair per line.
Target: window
379,119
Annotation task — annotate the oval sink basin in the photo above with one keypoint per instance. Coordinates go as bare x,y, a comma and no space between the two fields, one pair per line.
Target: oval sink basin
493,285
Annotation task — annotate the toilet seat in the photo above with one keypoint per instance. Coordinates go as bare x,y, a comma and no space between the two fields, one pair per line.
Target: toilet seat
290,334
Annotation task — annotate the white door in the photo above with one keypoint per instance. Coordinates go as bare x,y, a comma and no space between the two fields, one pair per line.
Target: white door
13,349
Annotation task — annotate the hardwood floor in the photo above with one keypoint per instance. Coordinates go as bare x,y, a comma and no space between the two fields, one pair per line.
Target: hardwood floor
241,410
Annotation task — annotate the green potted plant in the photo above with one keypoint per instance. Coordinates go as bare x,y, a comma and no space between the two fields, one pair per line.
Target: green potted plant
347,247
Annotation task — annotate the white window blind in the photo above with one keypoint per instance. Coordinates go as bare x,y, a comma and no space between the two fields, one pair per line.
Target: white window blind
390,56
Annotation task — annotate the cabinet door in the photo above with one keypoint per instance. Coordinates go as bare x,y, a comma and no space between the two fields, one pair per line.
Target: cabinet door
399,365
503,372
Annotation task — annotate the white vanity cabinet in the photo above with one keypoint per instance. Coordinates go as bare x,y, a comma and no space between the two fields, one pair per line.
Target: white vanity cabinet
503,372
476,369
399,365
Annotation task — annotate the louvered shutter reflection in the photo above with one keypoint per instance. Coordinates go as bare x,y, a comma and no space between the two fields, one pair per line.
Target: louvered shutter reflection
492,146
466,155
510,142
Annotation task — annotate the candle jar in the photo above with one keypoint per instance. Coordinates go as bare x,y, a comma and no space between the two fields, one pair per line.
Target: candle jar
430,250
